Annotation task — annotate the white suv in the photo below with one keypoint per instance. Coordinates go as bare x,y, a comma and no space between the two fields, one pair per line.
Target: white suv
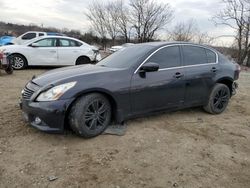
52,51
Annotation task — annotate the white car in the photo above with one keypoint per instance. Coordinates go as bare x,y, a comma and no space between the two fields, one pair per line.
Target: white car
31,35
52,51
117,48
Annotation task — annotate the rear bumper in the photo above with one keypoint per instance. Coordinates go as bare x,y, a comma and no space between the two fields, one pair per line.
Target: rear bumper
46,116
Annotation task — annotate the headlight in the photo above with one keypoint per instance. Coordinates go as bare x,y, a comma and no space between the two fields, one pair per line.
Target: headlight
2,50
56,92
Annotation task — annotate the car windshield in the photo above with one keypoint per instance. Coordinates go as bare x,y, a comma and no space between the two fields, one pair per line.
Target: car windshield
126,57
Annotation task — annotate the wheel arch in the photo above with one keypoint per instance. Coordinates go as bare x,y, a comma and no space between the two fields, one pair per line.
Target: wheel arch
227,81
107,94
17,53
81,57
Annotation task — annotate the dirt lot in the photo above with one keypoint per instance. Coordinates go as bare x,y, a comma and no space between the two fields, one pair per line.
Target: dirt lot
188,148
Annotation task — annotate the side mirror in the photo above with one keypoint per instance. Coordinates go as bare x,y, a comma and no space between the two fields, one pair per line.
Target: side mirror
34,45
149,67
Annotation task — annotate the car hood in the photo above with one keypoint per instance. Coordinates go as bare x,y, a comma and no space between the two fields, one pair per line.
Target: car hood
11,47
70,73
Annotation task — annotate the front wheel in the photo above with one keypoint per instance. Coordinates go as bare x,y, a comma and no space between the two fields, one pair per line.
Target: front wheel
90,115
218,99
18,62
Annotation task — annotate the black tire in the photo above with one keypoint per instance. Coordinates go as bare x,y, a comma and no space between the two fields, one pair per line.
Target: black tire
19,62
82,60
90,115
218,99
9,70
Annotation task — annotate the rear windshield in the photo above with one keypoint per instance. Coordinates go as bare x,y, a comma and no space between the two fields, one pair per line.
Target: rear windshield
126,57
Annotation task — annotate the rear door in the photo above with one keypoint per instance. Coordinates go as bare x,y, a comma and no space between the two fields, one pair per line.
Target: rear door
161,89
68,51
200,70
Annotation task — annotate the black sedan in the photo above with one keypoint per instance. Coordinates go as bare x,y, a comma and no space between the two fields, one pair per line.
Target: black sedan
138,80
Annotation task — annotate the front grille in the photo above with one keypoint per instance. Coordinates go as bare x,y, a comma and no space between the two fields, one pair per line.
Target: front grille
29,90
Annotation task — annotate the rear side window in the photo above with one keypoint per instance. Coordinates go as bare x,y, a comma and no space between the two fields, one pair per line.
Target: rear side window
167,57
64,42
41,34
194,55
69,43
211,56
28,36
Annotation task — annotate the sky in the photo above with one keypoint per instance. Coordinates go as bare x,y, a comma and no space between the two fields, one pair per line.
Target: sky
70,14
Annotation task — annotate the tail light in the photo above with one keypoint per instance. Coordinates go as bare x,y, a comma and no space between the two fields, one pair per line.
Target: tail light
237,72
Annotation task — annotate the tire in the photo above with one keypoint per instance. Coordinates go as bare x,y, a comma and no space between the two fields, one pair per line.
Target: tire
9,70
19,62
218,99
82,60
90,115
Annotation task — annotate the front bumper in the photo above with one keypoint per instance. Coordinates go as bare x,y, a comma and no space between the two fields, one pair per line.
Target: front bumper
46,116
235,86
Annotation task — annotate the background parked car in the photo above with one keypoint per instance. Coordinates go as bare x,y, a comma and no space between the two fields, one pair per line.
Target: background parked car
116,48
31,35
6,40
52,51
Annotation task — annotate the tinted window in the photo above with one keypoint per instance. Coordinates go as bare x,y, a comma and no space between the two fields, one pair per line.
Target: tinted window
211,57
41,34
127,57
47,42
194,55
167,57
29,36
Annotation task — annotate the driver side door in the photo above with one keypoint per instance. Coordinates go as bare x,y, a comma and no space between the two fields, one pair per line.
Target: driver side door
161,89
44,52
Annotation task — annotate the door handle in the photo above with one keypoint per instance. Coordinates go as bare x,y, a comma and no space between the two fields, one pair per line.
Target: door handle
52,51
178,75
213,69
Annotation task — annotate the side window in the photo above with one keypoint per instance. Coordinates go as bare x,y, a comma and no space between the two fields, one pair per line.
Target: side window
47,42
194,55
167,57
40,34
28,36
75,43
211,56
64,42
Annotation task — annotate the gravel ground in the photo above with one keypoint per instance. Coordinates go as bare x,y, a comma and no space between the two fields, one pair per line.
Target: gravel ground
187,148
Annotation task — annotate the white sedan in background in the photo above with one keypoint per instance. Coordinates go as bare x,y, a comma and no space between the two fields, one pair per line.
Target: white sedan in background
52,51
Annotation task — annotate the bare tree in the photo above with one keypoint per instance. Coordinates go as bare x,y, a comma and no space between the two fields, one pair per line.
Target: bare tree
148,16
189,32
97,16
123,20
183,31
111,20
236,16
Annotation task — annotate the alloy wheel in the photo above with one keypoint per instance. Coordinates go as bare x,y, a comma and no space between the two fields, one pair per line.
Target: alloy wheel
221,99
18,62
96,115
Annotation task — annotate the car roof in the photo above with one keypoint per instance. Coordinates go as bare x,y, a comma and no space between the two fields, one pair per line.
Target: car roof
165,43
53,36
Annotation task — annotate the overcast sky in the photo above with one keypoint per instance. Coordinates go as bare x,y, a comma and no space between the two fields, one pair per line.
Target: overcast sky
70,14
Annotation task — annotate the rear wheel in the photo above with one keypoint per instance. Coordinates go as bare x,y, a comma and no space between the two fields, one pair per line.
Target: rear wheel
82,60
218,99
18,62
90,115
